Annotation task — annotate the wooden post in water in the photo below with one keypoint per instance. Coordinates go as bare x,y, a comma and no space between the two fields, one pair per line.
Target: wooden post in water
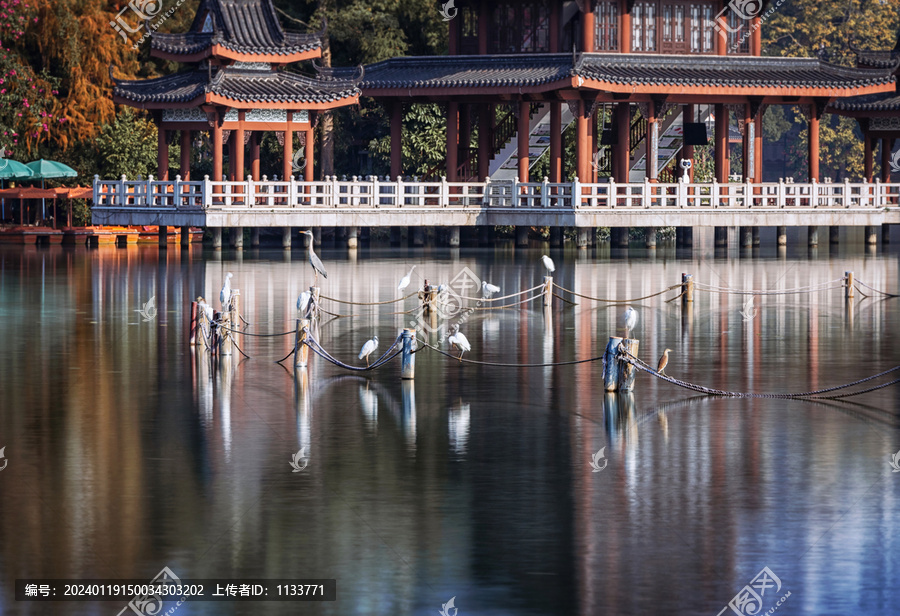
548,290
848,285
687,288
610,365
192,327
627,371
407,359
314,291
235,312
223,333
301,348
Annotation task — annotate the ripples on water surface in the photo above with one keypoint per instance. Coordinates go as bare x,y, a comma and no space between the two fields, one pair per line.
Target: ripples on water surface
126,455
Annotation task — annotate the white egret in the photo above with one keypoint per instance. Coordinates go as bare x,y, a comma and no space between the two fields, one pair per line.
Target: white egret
663,361
314,261
368,348
548,263
488,289
303,302
225,294
629,317
458,339
205,309
404,282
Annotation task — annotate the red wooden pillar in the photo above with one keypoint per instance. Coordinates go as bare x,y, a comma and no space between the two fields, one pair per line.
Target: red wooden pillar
454,36
554,27
237,137
230,144
624,27
217,151
523,135
465,131
869,156
396,139
758,147
582,144
622,149
651,169
484,24
254,155
309,154
813,143
587,26
185,155
288,149
748,141
887,145
556,141
687,151
721,34
595,145
452,140
756,38
484,141
162,154
721,157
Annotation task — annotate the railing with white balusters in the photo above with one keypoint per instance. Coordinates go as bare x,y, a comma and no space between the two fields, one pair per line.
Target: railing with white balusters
374,193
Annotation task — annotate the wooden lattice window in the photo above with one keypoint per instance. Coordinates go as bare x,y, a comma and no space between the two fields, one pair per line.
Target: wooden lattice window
520,28
738,34
606,19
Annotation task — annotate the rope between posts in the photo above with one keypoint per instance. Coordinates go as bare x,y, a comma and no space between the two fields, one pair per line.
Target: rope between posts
513,305
503,365
497,299
616,301
237,331
822,286
314,344
877,290
641,365
392,301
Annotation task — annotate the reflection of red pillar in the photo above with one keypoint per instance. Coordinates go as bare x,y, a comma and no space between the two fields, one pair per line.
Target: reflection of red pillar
813,143
555,141
185,155
452,140
396,139
162,155
524,120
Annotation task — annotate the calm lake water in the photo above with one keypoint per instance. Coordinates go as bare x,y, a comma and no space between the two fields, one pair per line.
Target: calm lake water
127,452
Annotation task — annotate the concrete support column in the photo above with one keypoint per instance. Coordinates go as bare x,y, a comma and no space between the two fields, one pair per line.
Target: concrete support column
522,236
781,233
755,231
834,234
453,237
621,237
237,237
582,238
689,237
254,237
317,235
185,155
871,235
163,236
650,237
352,237
286,238
485,235
746,237
885,234
217,237
396,139
396,236
721,237
813,235
556,237
418,236
185,237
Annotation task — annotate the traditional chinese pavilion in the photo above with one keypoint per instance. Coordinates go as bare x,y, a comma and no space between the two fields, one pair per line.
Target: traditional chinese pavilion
236,87
552,62
878,114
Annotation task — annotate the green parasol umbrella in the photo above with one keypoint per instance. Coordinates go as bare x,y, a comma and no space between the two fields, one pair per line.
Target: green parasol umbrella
49,169
11,170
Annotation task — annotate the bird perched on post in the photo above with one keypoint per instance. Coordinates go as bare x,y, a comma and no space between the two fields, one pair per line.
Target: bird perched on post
303,303
630,319
663,361
488,289
548,264
458,339
314,261
225,294
368,348
205,309
404,282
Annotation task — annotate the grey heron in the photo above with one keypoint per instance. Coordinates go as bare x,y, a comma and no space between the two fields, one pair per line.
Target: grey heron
314,261
663,361
488,289
303,302
225,294
548,264
458,339
629,317
368,348
404,282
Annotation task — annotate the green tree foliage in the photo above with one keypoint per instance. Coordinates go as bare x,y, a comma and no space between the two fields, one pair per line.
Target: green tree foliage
127,147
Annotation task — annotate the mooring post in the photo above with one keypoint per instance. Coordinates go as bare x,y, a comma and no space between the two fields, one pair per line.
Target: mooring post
626,368
314,312
226,324
192,325
235,311
848,285
301,348
408,359
687,288
610,365
214,332
548,290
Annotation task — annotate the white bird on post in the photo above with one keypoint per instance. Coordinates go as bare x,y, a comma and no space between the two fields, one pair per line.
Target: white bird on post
205,309
488,289
368,348
630,319
404,282
225,294
458,339
303,303
548,263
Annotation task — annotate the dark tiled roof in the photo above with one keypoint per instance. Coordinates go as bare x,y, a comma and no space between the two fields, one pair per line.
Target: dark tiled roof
623,69
245,26
248,86
869,103
877,59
